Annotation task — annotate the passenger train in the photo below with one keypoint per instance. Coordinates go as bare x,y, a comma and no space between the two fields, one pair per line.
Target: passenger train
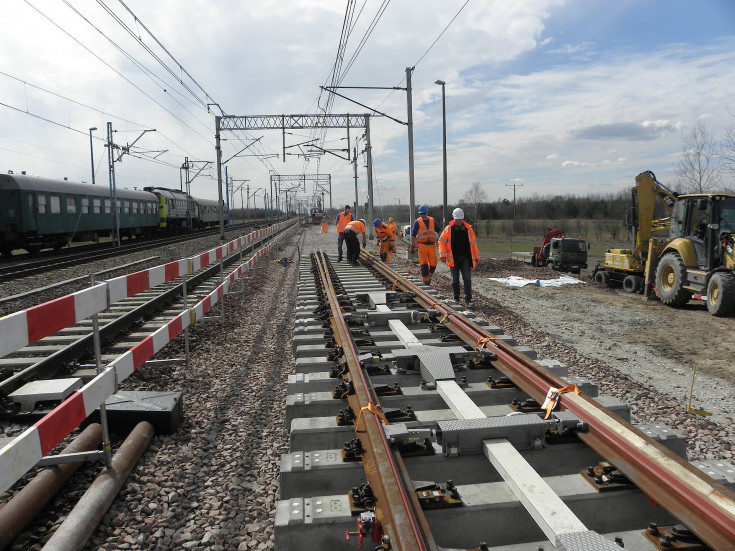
39,213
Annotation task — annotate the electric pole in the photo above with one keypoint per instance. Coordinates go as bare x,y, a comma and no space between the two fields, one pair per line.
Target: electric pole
515,185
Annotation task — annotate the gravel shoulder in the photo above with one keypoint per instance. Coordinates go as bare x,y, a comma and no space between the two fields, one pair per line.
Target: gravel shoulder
652,343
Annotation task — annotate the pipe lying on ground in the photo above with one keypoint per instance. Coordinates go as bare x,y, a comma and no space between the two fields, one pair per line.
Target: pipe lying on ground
86,515
25,505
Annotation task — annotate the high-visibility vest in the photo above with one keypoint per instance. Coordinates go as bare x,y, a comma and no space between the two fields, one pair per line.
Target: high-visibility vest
356,226
445,245
342,221
384,233
393,228
427,233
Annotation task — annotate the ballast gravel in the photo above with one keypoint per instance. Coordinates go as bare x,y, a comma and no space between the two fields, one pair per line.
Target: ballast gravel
213,485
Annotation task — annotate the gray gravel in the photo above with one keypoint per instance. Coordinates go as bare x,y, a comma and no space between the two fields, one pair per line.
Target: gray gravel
213,485
583,333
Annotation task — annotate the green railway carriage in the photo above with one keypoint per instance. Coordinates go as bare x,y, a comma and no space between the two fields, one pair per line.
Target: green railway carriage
38,213
206,213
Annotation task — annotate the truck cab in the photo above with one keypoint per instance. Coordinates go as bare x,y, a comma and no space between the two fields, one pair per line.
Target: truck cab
567,254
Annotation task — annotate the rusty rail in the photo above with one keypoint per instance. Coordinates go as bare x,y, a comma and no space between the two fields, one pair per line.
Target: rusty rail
704,506
396,506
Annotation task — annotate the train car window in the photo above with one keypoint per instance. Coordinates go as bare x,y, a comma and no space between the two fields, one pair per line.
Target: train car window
108,206
134,208
71,205
55,204
41,204
126,207
97,206
85,205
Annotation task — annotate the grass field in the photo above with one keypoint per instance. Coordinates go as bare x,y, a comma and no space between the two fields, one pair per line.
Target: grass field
504,246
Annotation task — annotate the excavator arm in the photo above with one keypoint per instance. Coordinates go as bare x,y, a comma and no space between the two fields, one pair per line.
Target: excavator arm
646,192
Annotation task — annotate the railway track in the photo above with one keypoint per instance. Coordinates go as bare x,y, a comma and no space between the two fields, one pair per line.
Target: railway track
11,270
67,353
414,425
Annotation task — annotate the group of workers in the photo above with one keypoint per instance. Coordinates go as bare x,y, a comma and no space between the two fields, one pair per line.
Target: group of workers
457,245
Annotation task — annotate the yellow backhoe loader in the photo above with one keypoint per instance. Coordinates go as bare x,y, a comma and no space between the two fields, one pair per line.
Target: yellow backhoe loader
688,255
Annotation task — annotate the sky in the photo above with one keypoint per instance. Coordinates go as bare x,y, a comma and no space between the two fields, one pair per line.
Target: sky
544,97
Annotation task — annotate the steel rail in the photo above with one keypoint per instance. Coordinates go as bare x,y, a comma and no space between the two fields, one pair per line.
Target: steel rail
48,366
75,257
397,509
703,505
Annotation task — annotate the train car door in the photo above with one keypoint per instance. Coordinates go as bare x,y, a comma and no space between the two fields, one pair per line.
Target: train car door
31,221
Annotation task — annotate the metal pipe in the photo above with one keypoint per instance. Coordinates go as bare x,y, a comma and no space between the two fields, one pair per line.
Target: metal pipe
705,506
81,523
26,504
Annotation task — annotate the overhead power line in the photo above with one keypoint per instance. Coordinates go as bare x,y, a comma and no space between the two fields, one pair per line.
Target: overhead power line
115,70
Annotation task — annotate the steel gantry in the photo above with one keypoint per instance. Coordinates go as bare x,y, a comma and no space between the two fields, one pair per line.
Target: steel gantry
234,123
322,183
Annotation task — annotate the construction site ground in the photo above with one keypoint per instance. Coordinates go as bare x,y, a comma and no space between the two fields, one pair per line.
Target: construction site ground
653,344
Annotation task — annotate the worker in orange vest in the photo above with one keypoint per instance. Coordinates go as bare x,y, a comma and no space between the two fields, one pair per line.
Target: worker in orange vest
325,225
353,229
386,239
423,233
343,218
393,227
458,248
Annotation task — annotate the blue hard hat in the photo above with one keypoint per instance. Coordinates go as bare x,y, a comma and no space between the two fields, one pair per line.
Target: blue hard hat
423,209
377,222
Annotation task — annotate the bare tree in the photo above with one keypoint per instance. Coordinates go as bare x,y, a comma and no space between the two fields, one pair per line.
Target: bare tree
727,155
474,197
698,168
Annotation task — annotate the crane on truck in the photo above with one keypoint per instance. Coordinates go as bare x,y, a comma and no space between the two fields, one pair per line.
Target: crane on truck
689,254
627,267
559,252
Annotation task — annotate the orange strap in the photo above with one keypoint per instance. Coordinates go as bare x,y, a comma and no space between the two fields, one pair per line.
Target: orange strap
483,340
395,284
552,397
372,409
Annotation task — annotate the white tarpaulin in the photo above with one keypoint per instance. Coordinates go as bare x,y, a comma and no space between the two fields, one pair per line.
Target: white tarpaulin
516,281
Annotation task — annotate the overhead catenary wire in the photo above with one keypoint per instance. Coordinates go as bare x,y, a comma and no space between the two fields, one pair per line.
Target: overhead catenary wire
91,108
113,69
427,51
147,72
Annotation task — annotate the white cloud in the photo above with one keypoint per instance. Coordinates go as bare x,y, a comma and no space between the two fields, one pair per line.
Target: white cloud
269,57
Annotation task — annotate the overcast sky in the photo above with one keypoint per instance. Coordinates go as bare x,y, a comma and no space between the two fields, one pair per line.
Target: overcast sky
568,97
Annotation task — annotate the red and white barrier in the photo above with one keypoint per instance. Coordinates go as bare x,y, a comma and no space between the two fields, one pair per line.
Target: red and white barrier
24,451
27,326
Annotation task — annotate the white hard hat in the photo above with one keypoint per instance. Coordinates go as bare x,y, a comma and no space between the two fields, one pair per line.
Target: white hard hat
458,214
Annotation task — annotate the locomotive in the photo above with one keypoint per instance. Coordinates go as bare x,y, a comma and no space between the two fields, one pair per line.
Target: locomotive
39,213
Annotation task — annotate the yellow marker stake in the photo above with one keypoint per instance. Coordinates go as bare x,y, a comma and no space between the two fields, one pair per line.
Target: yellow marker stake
691,392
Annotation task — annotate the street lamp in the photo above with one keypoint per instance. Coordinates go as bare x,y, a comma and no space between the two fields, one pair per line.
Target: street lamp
91,150
444,149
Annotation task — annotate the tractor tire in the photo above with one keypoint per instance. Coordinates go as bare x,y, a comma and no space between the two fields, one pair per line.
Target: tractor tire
602,277
721,294
632,284
550,264
670,277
